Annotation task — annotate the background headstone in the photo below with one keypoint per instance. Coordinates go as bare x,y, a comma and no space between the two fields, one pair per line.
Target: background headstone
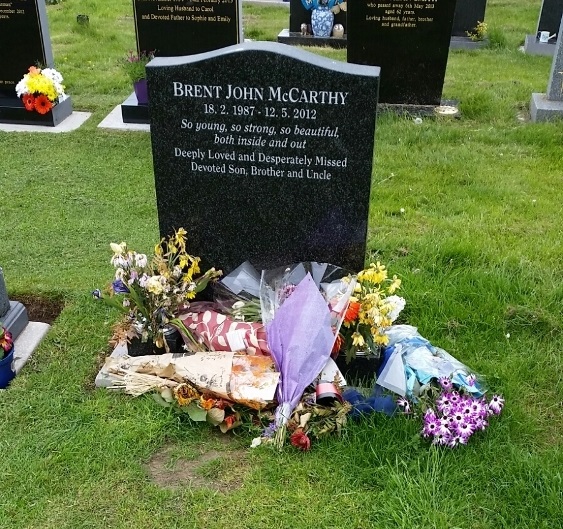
410,42
25,42
4,299
186,27
181,27
264,152
467,14
13,315
550,16
547,107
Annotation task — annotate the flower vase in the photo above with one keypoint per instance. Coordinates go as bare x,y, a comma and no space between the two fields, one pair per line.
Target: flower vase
6,371
322,20
141,91
173,338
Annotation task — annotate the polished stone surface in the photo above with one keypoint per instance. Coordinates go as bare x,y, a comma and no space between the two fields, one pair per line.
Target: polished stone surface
24,42
555,84
263,152
468,13
410,45
550,16
4,299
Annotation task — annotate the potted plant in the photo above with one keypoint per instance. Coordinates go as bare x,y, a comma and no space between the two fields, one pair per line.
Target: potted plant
41,89
152,292
134,65
6,357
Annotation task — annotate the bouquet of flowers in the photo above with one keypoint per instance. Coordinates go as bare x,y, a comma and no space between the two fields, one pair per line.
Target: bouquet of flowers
6,341
41,89
153,293
453,415
373,308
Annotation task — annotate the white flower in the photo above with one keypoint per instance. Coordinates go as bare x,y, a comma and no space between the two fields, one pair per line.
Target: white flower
52,74
143,280
257,441
140,260
118,249
396,304
154,285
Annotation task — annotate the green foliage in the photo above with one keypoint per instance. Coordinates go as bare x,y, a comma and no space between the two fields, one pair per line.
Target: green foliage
467,212
497,39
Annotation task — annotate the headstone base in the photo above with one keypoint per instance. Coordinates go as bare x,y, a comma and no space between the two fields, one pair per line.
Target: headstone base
294,38
16,319
420,110
465,43
12,111
543,109
532,46
133,112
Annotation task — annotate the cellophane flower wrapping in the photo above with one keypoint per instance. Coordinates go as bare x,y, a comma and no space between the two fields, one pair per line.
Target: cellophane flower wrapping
300,340
334,283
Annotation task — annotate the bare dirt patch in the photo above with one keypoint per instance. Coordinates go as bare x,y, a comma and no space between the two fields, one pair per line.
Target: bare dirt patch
221,471
40,308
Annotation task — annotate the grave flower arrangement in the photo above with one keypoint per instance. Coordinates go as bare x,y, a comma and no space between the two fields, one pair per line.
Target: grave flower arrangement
41,89
134,64
453,415
152,292
6,341
372,309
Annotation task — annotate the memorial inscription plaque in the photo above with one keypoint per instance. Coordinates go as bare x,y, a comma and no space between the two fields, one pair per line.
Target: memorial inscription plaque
409,40
263,152
179,27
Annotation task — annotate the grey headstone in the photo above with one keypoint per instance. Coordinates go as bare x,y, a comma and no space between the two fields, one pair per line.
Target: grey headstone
264,152
4,300
549,107
555,85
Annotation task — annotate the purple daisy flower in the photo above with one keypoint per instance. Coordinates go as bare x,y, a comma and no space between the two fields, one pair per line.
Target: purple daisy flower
445,382
496,404
455,397
464,429
404,403
431,426
442,438
480,424
443,403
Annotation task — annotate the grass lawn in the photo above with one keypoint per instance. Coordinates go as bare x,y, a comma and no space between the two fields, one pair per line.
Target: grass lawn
479,249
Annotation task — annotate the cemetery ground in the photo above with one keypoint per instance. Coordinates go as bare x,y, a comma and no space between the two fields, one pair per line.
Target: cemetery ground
468,212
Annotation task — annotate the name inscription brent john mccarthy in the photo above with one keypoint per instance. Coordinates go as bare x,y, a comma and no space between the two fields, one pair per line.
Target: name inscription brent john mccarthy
304,166
253,93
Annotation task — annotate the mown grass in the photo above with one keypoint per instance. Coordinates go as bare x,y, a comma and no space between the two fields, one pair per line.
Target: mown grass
466,211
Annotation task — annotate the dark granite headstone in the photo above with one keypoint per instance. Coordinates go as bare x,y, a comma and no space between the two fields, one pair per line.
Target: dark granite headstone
409,41
4,300
299,15
549,106
13,315
24,42
181,27
264,152
468,13
550,17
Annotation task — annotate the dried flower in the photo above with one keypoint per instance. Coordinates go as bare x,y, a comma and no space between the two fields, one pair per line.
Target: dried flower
300,440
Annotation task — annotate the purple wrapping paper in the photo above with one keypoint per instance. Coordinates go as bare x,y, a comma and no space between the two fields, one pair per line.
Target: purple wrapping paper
300,340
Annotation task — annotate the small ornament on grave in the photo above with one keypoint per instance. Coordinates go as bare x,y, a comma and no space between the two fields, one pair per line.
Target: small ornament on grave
322,16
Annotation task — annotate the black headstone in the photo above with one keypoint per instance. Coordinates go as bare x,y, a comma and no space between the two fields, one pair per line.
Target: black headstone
468,13
181,27
408,40
550,17
264,152
24,41
186,27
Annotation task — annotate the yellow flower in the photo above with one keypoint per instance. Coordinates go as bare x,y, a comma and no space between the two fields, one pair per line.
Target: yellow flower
381,339
358,339
158,248
118,249
396,285
180,236
185,394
